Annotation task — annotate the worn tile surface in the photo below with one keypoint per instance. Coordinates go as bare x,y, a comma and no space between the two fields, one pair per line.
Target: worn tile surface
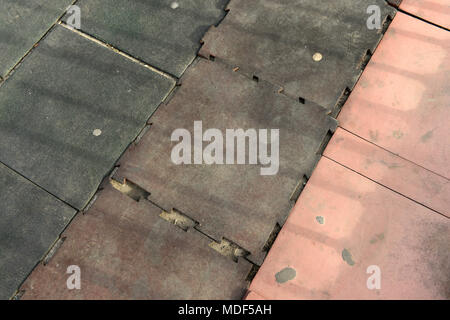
276,41
344,223
436,11
394,172
31,220
232,201
126,251
163,33
22,24
70,110
402,100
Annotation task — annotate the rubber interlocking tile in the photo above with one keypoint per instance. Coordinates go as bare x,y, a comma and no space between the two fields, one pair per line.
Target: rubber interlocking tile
436,11
313,49
390,170
163,33
232,201
344,225
402,100
126,251
31,220
69,111
22,24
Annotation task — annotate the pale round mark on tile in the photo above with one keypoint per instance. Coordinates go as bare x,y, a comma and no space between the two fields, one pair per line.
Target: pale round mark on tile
317,56
97,132
174,5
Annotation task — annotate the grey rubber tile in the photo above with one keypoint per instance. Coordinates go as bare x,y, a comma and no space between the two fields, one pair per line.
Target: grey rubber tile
31,220
232,201
163,33
126,251
276,41
22,24
70,110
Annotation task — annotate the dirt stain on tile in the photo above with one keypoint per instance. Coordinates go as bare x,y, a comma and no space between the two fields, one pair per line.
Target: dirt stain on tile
391,165
364,83
320,219
427,136
397,134
285,275
373,135
347,257
378,237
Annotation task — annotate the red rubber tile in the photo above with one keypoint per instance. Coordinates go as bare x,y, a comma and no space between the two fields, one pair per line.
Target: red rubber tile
126,251
342,224
401,102
436,11
390,170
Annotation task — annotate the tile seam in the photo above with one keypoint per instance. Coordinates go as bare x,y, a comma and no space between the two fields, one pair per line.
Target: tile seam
388,188
394,154
421,19
15,66
118,51
38,186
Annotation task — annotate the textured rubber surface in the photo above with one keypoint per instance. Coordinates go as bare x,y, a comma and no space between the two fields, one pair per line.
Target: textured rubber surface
232,201
69,111
435,11
391,171
22,24
343,224
125,250
31,220
277,41
402,100
163,33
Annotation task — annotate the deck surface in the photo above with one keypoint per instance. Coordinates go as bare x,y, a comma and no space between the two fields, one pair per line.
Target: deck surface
88,178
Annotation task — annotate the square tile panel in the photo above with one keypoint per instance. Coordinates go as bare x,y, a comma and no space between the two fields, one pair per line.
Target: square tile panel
70,110
235,201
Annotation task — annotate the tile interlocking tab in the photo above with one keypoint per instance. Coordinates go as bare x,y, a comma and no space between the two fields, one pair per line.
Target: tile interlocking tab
125,250
69,111
163,33
22,24
31,220
343,229
314,49
231,201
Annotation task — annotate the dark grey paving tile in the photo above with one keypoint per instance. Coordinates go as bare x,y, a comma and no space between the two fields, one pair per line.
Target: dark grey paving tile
30,221
126,251
232,201
165,37
70,110
276,41
22,24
